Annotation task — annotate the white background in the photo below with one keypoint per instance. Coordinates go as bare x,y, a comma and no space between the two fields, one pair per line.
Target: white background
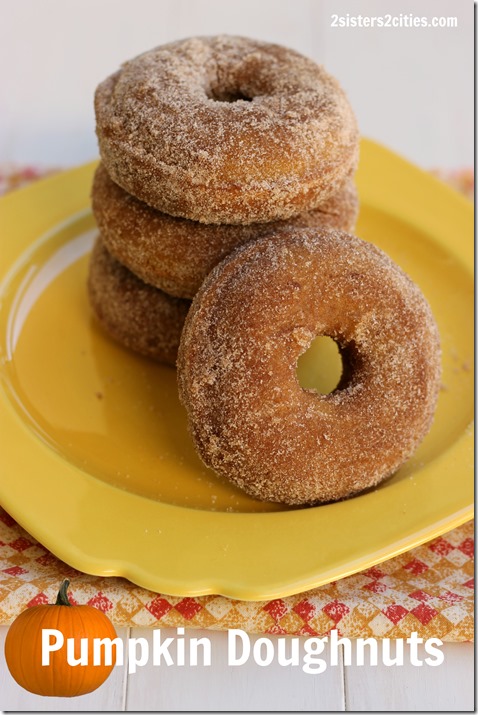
411,88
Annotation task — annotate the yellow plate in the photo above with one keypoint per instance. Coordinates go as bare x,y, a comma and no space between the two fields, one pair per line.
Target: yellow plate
96,460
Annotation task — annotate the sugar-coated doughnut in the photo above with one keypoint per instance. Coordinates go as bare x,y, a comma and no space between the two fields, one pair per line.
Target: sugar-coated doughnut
226,130
138,316
176,254
255,314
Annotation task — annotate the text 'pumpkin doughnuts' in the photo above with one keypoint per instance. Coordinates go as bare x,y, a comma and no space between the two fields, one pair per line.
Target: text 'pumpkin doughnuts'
226,130
255,314
137,315
176,254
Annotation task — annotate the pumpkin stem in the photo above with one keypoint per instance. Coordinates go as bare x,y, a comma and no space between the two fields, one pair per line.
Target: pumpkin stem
62,598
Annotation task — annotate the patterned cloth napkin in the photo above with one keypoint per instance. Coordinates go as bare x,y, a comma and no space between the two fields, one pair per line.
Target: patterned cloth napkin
429,589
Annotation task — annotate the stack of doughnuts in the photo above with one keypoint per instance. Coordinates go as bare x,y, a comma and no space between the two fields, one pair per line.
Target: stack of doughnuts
225,203
207,144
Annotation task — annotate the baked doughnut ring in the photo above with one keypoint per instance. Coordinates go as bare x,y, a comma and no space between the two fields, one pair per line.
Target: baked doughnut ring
255,314
176,254
226,130
138,316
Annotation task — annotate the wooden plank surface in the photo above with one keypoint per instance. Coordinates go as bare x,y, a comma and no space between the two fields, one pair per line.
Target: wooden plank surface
251,687
448,687
246,688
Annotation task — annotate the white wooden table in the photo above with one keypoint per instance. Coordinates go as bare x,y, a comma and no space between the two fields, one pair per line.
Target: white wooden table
448,687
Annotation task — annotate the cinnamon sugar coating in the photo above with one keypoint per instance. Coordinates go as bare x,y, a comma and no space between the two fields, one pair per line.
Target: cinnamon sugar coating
226,130
176,254
138,316
255,314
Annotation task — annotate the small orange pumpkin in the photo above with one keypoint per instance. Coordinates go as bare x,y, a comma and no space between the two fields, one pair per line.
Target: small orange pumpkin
23,648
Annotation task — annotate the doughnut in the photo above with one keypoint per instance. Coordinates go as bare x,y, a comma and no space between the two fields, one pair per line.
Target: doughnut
226,129
175,254
140,317
255,314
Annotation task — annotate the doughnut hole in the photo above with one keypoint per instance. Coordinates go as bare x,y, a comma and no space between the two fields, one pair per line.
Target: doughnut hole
223,94
322,366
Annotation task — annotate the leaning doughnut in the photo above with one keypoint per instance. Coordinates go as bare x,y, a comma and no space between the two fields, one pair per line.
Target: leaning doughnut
138,316
255,314
176,254
226,130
